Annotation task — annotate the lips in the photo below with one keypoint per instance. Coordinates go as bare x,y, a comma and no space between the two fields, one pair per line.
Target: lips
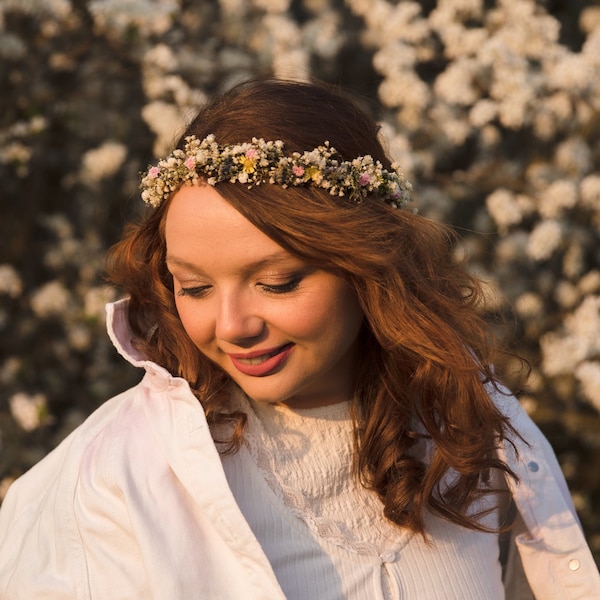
261,362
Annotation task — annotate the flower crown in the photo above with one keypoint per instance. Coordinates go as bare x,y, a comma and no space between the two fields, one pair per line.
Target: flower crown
261,162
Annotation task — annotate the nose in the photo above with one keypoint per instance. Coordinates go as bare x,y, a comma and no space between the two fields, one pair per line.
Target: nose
237,320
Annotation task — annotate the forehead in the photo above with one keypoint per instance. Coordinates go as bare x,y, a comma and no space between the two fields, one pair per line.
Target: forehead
202,227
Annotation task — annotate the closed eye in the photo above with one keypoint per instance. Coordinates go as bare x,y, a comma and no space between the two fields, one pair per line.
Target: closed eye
194,292
282,288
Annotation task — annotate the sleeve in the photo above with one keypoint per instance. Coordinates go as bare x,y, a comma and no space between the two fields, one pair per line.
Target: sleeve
40,551
555,557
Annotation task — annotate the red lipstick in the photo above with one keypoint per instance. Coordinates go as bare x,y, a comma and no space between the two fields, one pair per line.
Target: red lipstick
261,362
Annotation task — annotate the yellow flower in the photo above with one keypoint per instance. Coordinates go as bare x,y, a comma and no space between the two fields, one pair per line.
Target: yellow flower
312,173
248,164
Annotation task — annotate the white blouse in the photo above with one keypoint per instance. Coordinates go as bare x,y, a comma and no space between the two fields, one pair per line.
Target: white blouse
326,536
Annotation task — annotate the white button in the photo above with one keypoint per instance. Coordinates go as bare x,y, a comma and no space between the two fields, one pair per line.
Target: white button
388,556
574,564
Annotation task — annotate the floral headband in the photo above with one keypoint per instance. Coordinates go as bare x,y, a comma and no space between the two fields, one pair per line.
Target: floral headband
261,162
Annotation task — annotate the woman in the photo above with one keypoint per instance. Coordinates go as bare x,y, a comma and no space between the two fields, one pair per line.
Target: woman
319,416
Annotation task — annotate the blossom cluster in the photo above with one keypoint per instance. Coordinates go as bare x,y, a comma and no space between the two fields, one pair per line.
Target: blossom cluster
266,162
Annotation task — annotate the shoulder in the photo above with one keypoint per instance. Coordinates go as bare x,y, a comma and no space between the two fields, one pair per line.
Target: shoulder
128,424
84,486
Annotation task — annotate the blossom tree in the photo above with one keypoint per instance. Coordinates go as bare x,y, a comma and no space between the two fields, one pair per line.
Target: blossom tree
491,108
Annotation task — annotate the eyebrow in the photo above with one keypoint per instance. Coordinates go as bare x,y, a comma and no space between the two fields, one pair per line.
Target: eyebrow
266,261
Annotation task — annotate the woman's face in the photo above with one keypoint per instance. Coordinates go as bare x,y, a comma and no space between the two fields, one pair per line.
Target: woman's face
285,331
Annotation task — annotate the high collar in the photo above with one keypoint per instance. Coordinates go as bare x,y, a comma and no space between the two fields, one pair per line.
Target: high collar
122,337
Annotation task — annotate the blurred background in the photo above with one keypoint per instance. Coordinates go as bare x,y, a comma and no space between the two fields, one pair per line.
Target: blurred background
492,108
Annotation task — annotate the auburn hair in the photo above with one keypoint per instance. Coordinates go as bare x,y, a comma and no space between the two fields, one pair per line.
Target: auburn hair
426,351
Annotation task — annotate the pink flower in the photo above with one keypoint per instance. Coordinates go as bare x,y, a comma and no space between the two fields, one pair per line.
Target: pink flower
365,179
153,172
190,162
298,171
251,153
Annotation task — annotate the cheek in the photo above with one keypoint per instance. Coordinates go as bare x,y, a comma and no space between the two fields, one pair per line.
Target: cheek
336,319
195,326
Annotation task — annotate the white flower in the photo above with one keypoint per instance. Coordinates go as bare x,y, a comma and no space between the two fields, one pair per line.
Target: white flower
590,282
162,57
588,374
455,84
556,198
589,189
573,73
482,112
574,157
584,323
102,162
272,6
94,301
504,207
50,299
589,20
152,16
544,240
404,89
566,294
29,411
58,8
10,282
529,305
561,353
167,122
573,260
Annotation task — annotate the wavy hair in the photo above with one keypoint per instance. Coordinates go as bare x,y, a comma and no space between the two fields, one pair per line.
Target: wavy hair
426,352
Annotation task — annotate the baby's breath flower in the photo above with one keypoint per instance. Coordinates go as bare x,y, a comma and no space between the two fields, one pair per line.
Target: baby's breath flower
260,161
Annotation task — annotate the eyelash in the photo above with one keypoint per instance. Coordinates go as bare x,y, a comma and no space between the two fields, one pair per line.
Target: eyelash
283,288
195,292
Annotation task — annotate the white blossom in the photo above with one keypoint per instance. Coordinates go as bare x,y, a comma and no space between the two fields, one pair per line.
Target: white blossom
161,57
456,84
545,238
556,198
167,122
50,299
29,411
57,8
561,354
529,304
102,162
154,16
482,112
590,282
504,207
584,323
574,157
566,294
573,72
272,6
573,260
588,374
10,281
589,189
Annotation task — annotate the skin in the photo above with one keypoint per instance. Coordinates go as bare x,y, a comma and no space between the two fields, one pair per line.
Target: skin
284,330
